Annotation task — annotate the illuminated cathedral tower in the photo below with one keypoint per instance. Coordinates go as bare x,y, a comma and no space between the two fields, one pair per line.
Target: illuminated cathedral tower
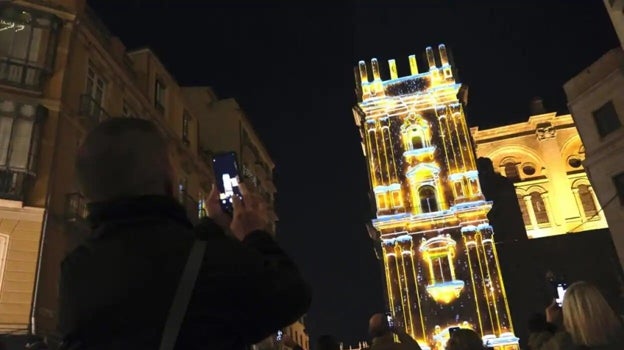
439,255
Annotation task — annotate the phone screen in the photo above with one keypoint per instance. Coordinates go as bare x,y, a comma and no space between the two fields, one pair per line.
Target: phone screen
560,289
226,175
279,336
390,320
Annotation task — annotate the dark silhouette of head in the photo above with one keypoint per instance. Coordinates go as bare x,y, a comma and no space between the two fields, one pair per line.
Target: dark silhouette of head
465,339
124,157
327,342
485,165
378,325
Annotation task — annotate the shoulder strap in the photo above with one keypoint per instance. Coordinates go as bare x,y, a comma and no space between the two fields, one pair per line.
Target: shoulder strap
183,296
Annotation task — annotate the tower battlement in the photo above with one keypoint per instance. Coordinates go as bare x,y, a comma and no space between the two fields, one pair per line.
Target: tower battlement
370,83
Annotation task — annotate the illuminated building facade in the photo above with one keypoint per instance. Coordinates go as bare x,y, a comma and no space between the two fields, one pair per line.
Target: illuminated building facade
596,101
440,260
544,158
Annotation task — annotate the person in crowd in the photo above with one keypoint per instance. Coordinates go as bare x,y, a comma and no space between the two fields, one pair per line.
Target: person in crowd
383,335
327,342
324,342
465,339
585,321
116,289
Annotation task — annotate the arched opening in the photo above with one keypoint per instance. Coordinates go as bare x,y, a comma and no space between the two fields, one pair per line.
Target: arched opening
539,208
417,142
428,202
587,201
511,171
525,212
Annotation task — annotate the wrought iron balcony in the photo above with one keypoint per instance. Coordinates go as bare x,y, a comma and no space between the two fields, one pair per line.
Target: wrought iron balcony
76,211
12,185
21,75
92,111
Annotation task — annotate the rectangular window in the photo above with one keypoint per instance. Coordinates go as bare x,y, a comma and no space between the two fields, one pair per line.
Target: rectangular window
396,199
92,101
606,119
159,95
381,201
17,130
459,191
186,120
96,86
618,181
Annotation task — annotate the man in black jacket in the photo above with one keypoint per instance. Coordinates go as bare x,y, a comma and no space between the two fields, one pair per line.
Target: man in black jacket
116,289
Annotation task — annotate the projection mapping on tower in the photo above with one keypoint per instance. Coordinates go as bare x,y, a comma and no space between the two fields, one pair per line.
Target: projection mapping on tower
440,259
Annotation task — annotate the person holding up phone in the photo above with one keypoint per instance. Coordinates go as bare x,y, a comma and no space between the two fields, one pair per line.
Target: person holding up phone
116,290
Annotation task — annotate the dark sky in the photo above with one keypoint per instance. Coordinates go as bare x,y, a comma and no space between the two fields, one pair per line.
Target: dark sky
290,67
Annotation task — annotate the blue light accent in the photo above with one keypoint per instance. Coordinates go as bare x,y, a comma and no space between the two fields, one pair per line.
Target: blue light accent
384,189
469,228
386,218
502,340
484,226
404,238
415,152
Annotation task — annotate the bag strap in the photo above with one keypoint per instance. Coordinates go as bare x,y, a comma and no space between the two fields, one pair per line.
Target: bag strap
183,296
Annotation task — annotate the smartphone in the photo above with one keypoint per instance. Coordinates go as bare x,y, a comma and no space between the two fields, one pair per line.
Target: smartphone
279,335
560,289
452,330
227,177
390,320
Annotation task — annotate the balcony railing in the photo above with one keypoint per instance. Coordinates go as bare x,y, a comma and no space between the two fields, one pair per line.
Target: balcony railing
91,110
76,211
12,185
21,75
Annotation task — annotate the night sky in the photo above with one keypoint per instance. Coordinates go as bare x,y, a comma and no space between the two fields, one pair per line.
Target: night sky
290,67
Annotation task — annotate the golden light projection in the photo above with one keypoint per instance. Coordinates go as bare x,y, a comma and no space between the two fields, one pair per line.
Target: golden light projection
439,255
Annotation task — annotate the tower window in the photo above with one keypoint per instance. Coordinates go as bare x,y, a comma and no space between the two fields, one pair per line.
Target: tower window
459,191
539,208
382,203
587,201
396,199
428,202
417,142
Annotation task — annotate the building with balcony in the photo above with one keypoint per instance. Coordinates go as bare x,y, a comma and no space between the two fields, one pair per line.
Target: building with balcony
62,72
234,133
596,101
544,158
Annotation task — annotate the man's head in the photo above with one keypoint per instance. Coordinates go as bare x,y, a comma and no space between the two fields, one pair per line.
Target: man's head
124,157
485,165
327,342
378,325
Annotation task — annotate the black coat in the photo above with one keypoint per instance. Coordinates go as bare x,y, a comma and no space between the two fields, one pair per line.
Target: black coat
116,289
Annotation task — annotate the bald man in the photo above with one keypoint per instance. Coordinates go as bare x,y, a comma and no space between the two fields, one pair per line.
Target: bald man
383,335
116,289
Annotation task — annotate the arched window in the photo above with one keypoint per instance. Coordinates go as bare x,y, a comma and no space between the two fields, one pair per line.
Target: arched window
417,142
428,202
587,201
511,171
539,208
525,212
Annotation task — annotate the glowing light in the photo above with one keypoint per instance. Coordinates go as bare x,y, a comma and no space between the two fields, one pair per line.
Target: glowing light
438,249
5,25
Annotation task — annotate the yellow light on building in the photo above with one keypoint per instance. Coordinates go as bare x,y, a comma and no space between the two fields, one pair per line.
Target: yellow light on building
439,255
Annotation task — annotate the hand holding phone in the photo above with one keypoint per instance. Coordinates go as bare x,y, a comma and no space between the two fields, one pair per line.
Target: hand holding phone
227,178
390,320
